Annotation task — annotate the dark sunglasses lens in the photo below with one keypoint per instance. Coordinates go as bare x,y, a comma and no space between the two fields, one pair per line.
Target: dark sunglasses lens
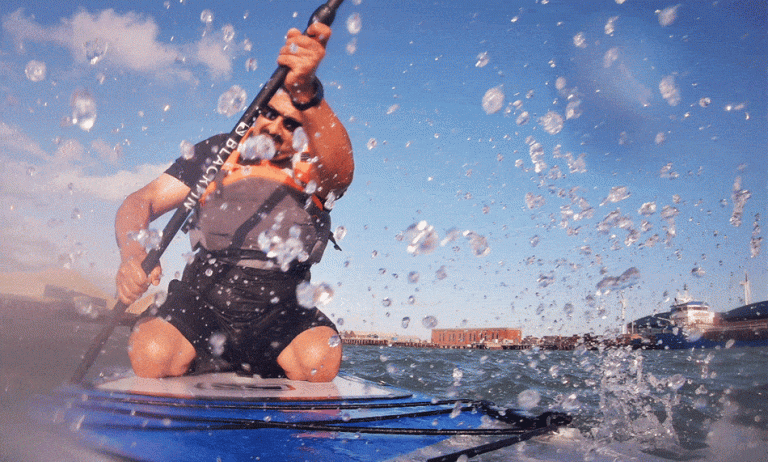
270,113
290,124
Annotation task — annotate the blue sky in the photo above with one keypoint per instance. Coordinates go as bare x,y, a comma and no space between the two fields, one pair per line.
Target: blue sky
657,107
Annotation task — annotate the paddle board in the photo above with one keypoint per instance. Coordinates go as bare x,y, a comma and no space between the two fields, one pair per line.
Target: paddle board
227,417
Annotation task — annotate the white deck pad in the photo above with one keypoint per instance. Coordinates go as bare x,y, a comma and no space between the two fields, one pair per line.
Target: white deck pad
231,386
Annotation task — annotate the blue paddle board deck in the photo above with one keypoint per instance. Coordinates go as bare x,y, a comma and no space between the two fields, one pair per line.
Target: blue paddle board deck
227,417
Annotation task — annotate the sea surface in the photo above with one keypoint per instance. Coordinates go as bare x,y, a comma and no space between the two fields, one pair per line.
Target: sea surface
708,405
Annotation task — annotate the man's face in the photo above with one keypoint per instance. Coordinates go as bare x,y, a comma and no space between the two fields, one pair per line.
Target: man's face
278,122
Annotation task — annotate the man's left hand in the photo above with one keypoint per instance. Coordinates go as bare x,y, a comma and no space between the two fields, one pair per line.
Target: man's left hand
302,54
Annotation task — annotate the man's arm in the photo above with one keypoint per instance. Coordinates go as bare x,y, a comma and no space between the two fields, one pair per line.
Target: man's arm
328,139
329,142
135,214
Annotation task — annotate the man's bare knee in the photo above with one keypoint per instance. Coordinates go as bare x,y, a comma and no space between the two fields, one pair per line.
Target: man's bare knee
157,349
313,356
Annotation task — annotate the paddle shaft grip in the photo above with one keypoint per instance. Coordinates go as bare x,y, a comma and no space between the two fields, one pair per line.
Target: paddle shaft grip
325,14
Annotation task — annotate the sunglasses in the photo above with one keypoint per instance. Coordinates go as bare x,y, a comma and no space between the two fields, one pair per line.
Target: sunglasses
290,124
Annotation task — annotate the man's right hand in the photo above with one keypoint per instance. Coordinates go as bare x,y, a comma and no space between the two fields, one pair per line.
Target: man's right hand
132,282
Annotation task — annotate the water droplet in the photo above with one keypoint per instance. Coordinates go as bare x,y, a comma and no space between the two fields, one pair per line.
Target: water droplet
206,17
371,143
300,141
35,71
676,382
669,90
216,343
95,50
493,100
160,298
429,322
334,341
478,243
83,109
552,122
523,118
330,201
580,40
528,399
251,64
405,322
232,101
387,302
187,150
482,59
354,24
310,295
413,277
668,15
441,273
704,102
76,215
411,300
258,147
351,46
340,233
228,32
421,238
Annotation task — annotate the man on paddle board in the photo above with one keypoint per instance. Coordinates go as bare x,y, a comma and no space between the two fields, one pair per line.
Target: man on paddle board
257,230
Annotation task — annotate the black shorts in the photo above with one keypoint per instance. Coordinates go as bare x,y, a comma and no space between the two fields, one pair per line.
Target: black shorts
237,316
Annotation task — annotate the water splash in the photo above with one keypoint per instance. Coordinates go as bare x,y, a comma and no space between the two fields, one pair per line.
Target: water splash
35,71
421,238
478,244
627,279
493,100
482,59
83,109
617,194
311,295
668,15
354,24
206,17
95,50
551,122
669,90
187,150
257,148
231,101
228,33
300,142
429,322
739,198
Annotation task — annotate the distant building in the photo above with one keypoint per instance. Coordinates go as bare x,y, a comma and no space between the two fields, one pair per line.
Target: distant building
472,336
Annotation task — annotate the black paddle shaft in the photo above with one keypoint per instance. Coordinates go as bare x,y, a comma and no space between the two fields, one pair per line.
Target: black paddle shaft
325,14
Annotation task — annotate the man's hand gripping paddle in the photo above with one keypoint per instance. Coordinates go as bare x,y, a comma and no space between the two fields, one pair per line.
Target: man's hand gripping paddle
324,14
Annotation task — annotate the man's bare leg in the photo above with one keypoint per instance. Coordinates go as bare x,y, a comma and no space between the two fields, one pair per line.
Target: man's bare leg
312,356
158,349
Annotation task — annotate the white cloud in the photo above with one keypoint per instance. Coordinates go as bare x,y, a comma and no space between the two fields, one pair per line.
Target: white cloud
106,152
127,41
13,139
113,188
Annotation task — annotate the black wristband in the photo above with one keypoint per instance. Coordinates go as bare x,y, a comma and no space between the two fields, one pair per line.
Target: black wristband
315,101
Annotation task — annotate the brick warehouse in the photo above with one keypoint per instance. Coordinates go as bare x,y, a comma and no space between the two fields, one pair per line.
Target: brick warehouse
468,336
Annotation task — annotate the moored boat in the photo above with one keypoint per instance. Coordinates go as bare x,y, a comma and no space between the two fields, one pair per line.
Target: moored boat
692,324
